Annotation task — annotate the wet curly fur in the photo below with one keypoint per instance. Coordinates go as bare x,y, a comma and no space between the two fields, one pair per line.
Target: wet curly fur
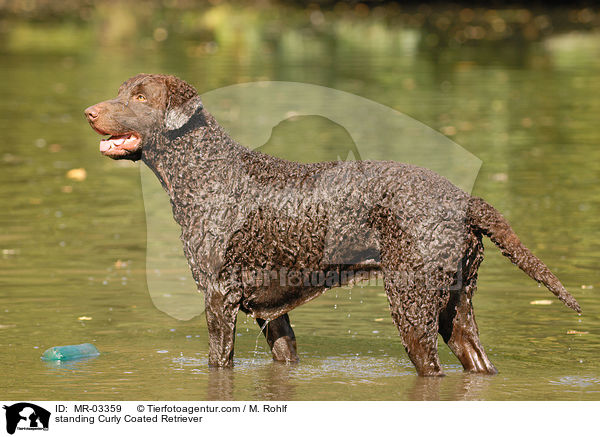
264,235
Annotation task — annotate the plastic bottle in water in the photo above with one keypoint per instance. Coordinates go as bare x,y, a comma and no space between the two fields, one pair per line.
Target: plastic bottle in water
71,352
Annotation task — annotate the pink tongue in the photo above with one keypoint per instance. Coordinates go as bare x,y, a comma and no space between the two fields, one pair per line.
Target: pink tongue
105,145
116,140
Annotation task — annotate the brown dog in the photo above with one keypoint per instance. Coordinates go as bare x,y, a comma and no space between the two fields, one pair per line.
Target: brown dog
265,235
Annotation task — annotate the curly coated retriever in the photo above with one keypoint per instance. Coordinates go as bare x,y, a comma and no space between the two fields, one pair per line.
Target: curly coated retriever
264,235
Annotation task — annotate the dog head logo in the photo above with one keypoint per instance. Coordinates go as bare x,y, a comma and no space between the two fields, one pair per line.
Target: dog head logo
26,416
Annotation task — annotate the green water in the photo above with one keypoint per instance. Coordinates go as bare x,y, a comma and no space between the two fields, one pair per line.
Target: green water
73,253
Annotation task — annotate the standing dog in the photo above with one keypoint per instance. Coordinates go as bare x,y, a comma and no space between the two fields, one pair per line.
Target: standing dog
265,235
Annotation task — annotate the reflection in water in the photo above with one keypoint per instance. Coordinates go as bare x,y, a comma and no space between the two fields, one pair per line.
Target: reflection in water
278,381
275,382
472,387
425,389
74,364
466,387
220,384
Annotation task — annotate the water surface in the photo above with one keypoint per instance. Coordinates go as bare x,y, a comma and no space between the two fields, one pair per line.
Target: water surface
73,253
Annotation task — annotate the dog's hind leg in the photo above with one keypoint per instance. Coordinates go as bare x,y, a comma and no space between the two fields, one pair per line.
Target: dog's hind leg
459,330
281,338
221,314
414,311
457,322
413,303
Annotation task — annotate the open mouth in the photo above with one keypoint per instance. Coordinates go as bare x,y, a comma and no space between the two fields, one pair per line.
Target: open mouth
120,145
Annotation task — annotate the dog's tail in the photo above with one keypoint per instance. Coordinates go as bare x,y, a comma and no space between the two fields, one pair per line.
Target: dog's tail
485,218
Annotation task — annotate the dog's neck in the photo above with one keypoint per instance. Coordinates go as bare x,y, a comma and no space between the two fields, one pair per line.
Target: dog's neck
195,146
201,160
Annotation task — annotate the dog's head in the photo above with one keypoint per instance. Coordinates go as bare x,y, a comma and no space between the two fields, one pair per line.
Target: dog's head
146,104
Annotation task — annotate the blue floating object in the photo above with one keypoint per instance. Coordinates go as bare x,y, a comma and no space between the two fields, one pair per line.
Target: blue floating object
71,352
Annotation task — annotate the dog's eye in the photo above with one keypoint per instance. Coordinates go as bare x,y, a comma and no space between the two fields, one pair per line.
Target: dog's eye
140,98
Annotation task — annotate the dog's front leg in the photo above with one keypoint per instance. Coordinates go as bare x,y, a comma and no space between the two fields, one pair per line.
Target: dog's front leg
222,307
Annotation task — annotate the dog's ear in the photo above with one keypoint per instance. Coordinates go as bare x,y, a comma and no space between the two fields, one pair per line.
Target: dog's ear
183,103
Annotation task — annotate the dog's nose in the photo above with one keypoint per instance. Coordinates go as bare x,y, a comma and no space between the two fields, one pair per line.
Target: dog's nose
91,113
